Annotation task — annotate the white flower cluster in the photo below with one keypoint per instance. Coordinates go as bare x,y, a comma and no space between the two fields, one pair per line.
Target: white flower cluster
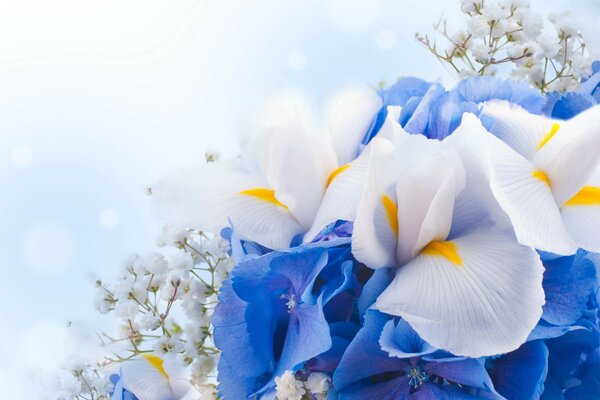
508,32
81,382
290,386
164,302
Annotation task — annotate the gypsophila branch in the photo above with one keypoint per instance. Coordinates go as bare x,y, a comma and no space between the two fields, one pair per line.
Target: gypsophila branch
508,34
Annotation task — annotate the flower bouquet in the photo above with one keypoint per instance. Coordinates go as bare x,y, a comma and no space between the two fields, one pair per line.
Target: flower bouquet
418,243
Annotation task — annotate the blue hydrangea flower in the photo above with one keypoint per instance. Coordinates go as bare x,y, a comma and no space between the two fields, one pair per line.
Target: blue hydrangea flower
569,104
388,360
574,366
568,283
274,315
338,229
430,110
118,392
520,374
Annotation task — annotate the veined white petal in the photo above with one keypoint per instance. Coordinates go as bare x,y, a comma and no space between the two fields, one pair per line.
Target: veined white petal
524,194
296,157
391,128
146,378
350,114
426,193
480,295
340,202
213,197
571,156
376,225
581,214
525,133
476,203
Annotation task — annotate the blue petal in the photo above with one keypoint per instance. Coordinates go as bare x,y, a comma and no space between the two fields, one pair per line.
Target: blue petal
394,389
418,121
364,357
400,340
378,282
544,330
469,372
568,283
307,337
589,376
430,391
567,351
520,375
398,94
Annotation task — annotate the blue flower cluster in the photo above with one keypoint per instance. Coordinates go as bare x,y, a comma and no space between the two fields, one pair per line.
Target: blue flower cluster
307,309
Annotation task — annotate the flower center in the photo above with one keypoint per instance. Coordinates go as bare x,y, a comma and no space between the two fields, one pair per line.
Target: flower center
291,301
416,376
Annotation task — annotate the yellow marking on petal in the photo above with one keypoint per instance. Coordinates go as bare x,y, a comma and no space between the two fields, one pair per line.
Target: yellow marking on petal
537,174
545,139
336,172
588,196
447,250
263,194
157,363
391,213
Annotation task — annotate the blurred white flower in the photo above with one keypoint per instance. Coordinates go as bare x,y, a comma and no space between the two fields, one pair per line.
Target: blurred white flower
288,387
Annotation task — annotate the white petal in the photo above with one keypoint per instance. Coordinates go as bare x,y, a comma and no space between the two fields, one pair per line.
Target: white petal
426,193
375,229
486,305
146,381
295,156
572,155
350,114
342,196
210,198
525,133
582,215
527,200
476,203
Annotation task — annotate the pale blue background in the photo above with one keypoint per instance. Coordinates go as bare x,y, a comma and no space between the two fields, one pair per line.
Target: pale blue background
98,99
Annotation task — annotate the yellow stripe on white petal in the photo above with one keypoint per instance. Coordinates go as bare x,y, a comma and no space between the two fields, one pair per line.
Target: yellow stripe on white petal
336,172
263,194
487,306
374,238
146,378
541,176
523,193
447,250
426,193
157,363
391,213
555,127
211,198
523,132
571,156
295,156
342,196
587,196
581,214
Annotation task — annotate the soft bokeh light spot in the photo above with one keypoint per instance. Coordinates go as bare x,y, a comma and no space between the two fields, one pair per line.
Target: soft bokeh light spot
385,40
48,247
47,345
297,60
21,155
354,15
108,218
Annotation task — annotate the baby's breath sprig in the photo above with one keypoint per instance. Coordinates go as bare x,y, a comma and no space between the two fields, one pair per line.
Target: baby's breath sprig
507,32
164,302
